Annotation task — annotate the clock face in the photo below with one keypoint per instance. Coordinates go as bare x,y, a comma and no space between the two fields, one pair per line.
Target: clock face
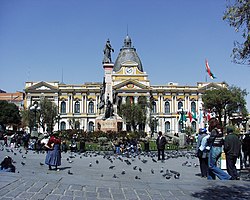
129,70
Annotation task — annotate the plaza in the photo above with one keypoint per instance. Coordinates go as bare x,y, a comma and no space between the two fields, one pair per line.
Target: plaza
100,175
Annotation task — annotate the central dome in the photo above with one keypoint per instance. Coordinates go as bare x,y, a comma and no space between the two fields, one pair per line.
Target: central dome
127,53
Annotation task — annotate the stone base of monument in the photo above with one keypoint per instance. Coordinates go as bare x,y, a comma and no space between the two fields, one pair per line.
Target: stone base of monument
113,123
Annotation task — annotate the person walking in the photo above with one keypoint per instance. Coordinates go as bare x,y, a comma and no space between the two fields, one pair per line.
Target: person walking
53,157
160,143
201,151
215,142
232,148
246,149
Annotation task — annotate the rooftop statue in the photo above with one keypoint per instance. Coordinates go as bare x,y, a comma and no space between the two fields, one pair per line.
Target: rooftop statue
107,52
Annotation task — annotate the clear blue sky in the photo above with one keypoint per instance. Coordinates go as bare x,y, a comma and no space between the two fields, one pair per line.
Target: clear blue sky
41,38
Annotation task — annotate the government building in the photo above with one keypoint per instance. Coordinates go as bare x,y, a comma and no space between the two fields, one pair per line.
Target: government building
126,81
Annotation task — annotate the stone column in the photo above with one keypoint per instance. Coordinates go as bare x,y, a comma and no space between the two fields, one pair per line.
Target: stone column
108,69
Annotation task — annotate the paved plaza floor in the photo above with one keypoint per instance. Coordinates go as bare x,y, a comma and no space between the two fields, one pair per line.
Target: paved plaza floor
94,175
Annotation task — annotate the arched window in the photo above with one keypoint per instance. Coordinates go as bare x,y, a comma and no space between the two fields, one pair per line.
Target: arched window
167,107
153,107
91,126
63,107
180,105
167,127
91,107
77,107
193,107
63,126
194,126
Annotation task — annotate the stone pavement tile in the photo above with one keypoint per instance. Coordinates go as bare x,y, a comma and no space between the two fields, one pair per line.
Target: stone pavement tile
3,191
144,197
76,187
79,198
116,191
79,193
177,193
130,193
67,198
69,193
118,196
90,188
34,189
13,193
103,193
58,191
39,196
156,196
26,195
6,198
63,186
53,197
91,195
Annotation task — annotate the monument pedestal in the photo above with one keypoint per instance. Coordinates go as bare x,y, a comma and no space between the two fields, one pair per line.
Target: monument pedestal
113,123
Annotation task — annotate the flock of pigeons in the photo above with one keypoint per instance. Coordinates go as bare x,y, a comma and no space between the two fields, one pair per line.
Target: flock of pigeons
130,160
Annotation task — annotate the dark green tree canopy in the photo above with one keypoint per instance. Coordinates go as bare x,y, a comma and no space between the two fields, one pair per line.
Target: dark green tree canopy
238,16
9,114
225,102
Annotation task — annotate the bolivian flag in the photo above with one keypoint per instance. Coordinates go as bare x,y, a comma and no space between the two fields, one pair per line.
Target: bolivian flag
209,71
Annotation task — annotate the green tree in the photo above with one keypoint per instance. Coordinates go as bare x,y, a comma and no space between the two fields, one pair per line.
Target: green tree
9,115
47,116
237,15
225,102
134,114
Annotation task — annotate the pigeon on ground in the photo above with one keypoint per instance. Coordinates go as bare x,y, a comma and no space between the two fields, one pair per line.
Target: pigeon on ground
114,176
185,163
111,167
23,163
154,160
136,177
70,173
41,164
23,156
144,161
161,171
152,171
135,167
97,162
140,169
123,172
90,164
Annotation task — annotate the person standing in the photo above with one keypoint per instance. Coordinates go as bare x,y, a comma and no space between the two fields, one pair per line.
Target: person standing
232,148
246,149
53,157
201,151
215,142
160,143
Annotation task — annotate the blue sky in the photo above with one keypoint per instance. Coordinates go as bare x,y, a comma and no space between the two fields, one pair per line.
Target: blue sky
41,38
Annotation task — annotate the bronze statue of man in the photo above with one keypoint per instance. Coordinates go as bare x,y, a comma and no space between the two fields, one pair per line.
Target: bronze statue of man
107,52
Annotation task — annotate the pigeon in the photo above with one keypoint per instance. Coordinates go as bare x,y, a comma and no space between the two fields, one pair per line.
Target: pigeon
23,163
175,172
70,161
112,167
70,173
101,175
90,164
144,161
140,169
152,171
135,167
97,162
161,171
114,176
136,177
128,162
154,160
41,164
23,156
123,172
185,163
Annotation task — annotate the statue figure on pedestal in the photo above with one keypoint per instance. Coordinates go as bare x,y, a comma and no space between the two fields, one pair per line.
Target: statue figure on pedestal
107,52
109,112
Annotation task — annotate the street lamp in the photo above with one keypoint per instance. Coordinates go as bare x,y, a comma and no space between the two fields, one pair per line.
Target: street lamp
58,117
35,107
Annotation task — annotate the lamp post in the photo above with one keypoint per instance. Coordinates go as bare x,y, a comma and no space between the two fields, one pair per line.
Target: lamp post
35,107
58,117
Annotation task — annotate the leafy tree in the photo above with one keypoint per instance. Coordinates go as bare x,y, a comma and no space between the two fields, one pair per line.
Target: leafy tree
28,119
134,114
237,15
9,115
47,116
225,102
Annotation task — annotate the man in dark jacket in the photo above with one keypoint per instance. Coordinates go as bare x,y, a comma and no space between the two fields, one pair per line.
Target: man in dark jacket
232,147
161,142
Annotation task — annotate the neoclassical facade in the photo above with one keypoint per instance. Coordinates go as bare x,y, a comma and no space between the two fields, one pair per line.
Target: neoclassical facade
79,103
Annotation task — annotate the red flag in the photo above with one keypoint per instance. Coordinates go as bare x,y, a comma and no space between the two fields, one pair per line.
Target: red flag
190,116
209,70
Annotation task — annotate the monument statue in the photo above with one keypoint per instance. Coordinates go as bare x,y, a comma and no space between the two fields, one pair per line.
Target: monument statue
107,52
109,112
102,95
